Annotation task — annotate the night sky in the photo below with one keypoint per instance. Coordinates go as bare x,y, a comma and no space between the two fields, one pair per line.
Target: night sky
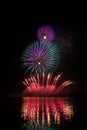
19,26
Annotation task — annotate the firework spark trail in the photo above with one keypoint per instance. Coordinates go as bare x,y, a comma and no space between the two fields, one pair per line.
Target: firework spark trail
63,85
45,85
43,79
56,79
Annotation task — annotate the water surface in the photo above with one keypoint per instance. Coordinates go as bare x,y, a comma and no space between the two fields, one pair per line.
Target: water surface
43,113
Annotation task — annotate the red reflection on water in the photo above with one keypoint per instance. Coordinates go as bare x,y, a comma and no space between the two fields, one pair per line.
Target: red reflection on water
46,110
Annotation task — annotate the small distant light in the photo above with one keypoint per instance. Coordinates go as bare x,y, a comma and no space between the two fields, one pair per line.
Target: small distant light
39,63
44,37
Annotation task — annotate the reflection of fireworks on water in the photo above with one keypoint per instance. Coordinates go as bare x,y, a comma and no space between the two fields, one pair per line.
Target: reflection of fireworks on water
45,85
39,57
43,112
45,34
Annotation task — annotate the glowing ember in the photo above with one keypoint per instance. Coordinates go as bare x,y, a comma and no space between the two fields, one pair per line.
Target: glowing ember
44,37
44,85
39,63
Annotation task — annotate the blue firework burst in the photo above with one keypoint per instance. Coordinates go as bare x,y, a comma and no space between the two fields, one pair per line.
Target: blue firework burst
39,57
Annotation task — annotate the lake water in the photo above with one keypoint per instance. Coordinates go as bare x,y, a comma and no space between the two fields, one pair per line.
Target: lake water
43,113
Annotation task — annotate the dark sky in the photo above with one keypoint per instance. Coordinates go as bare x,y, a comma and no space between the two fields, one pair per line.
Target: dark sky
19,24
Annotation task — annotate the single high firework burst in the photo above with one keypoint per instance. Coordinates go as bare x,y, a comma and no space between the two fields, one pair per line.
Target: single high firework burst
39,57
45,34
44,85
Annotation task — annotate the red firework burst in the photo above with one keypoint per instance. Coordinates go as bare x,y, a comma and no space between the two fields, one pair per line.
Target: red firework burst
44,85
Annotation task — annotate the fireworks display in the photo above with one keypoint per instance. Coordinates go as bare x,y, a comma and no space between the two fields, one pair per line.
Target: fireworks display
39,57
40,60
45,85
45,34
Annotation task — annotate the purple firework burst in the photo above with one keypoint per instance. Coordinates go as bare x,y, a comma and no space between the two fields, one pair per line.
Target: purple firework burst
45,34
40,57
